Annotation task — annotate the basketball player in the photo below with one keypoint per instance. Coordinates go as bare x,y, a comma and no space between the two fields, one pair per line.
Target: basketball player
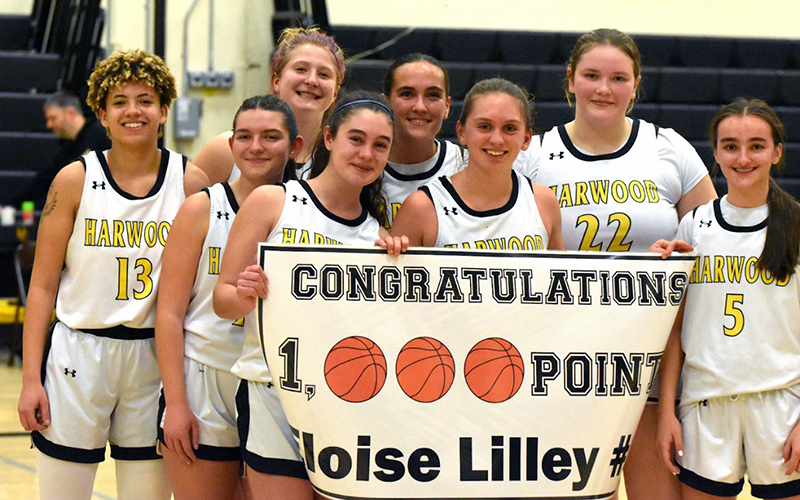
740,325
197,349
621,184
307,71
487,202
93,378
342,204
417,87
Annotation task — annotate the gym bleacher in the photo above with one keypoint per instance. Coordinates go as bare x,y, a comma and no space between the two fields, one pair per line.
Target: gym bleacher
685,80
53,48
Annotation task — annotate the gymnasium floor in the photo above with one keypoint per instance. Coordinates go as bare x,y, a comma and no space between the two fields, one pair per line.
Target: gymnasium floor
17,463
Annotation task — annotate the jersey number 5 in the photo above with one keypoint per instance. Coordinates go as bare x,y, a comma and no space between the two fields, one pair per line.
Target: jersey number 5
732,301
145,268
623,223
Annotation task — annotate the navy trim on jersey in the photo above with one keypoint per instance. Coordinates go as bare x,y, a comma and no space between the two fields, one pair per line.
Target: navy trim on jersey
204,451
341,220
512,200
120,332
279,466
562,132
782,490
47,345
83,162
185,160
143,453
162,174
242,412
427,191
709,486
736,229
207,192
231,197
422,175
67,453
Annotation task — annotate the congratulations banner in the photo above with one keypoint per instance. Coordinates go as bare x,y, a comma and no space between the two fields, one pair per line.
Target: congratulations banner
465,374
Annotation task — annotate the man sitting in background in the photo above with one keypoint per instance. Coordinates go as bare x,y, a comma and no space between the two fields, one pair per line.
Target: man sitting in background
77,133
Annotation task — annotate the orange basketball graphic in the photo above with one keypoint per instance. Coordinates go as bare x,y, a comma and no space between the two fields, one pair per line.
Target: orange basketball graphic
494,370
355,369
425,369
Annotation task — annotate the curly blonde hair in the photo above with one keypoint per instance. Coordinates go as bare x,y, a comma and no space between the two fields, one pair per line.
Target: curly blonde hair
130,66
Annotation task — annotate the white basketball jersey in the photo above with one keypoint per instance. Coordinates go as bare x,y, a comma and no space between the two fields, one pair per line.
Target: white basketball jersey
209,339
622,201
516,225
304,221
113,258
400,180
741,327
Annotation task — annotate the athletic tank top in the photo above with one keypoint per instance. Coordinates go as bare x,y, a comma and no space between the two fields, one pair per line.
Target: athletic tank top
622,201
516,225
400,180
209,339
304,221
741,326
113,258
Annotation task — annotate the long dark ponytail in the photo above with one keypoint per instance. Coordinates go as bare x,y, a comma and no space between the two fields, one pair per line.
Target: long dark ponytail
782,246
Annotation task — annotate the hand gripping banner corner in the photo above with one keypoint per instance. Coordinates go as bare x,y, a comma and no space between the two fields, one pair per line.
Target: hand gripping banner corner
465,374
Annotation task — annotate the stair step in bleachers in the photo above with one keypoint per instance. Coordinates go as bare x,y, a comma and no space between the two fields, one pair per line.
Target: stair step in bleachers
527,48
26,150
549,85
789,87
690,121
12,182
523,75
657,51
649,112
550,114
705,52
22,112
419,40
767,54
14,31
689,85
366,74
650,84
739,82
790,116
29,72
461,79
466,45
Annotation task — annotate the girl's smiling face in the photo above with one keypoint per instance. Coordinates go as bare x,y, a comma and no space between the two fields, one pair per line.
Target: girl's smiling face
419,100
495,130
308,82
603,83
746,151
133,112
360,148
